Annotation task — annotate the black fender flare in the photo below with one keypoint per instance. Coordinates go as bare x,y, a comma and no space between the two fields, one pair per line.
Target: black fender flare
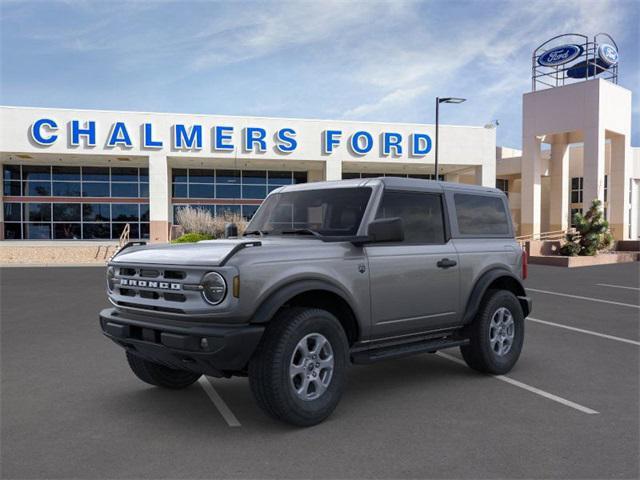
275,300
482,285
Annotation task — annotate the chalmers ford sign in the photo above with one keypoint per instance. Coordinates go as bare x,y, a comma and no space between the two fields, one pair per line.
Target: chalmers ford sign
222,138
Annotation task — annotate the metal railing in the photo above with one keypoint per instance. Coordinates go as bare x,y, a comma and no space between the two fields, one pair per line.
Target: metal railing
541,236
124,236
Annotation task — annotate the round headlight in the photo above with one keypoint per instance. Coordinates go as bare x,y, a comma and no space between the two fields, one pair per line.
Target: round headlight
214,288
111,273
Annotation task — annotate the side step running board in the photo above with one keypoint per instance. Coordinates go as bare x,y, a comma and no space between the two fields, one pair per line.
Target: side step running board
405,350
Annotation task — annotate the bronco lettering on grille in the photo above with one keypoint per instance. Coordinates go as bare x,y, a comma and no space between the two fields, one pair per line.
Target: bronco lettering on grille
128,282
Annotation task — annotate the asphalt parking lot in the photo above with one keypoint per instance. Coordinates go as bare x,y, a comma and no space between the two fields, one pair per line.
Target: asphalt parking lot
70,407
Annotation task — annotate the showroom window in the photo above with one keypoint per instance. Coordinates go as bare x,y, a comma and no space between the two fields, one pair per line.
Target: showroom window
74,221
209,188
247,211
576,189
503,184
62,181
349,175
114,197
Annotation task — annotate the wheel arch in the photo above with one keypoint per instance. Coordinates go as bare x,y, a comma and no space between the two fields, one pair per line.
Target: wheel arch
311,293
498,279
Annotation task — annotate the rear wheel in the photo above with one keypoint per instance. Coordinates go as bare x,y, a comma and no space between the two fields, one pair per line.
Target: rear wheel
297,374
159,375
496,335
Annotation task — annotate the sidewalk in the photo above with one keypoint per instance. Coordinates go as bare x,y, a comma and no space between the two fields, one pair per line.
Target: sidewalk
55,253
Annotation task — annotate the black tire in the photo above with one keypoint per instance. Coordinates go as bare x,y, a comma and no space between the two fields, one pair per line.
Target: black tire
269,376
159,375
479,354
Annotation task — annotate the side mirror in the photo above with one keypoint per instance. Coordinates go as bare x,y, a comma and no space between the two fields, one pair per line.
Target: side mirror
386,230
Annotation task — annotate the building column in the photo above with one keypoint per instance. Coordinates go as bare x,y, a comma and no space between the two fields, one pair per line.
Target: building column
314,175
486,174
559,204
531,186
618,187
332,169
159,198
452,177
593,167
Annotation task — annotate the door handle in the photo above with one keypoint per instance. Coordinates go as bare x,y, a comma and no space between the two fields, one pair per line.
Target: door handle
446,263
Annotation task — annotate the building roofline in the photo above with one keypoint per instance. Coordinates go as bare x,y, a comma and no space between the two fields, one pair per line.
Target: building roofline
18,107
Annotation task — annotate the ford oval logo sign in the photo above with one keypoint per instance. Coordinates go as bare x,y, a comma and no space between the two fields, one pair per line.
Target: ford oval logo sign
608,54
560,55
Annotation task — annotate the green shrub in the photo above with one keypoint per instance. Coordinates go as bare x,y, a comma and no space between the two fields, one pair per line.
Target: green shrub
591,235
192,238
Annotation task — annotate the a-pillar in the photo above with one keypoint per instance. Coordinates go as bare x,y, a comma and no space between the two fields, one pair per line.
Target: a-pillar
559,207
618,188
332,169
159,198
531,186
593,167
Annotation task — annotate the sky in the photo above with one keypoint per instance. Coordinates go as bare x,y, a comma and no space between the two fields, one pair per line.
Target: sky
351,60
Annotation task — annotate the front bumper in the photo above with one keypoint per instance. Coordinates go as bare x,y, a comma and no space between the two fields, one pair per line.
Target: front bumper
181,345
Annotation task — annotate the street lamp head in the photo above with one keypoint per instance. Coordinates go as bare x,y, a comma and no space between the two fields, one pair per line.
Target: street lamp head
451,100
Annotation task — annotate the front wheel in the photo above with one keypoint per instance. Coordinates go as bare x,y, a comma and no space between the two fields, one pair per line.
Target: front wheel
297,374
496,334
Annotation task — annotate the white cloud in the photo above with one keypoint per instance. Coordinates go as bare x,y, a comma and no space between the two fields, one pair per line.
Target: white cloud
488,55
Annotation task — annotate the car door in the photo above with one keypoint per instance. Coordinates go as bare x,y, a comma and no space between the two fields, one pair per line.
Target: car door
414,284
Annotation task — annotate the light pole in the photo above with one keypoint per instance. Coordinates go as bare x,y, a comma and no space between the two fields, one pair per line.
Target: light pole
438,102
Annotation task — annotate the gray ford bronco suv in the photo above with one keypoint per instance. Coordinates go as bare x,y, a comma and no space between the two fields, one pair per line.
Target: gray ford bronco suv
326,275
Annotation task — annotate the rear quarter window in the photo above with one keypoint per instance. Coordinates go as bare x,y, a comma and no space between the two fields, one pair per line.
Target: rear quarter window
481,215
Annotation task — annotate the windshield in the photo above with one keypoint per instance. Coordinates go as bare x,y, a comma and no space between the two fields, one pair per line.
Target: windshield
325,212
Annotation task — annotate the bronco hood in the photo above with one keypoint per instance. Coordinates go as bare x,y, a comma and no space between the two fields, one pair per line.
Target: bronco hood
210,253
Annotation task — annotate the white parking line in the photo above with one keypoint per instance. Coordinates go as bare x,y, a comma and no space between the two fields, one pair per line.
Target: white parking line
589,332
217,400
617,286
524,386
584,298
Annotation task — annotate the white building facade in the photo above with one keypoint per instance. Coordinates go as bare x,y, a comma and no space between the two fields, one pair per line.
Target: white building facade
85,174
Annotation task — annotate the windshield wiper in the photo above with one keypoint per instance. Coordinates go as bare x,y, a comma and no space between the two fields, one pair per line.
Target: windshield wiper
302,231
255,232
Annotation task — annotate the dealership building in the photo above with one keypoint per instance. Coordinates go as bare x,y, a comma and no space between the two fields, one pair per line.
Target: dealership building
86,174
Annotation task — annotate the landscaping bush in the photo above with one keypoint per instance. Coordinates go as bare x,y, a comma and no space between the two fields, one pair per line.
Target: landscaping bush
192,238
591,235
199,220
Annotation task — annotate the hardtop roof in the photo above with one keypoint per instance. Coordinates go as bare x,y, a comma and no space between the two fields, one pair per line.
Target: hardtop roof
393,182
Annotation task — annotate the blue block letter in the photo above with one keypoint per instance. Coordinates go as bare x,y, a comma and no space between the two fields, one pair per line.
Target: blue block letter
330,140
286,140
119,136
253,136
184,139
355,142
391,140
421,144
36,131
222,136
89,131
147,138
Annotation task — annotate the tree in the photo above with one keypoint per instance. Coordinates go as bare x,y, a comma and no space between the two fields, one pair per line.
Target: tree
591,235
